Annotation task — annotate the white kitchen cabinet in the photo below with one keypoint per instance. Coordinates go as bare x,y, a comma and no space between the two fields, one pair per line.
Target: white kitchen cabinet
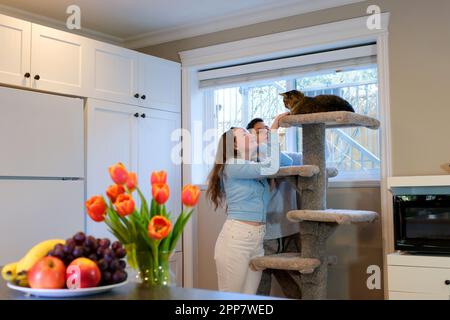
58,61
160,83
158,149
15,39
418,277
111,138
114,73
37,210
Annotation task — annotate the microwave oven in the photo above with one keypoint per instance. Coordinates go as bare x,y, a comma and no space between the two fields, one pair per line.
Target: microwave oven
422,223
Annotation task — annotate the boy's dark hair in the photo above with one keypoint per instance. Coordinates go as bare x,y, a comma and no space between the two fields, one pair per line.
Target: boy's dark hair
252,123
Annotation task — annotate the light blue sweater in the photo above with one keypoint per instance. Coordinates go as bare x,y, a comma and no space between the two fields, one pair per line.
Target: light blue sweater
247,189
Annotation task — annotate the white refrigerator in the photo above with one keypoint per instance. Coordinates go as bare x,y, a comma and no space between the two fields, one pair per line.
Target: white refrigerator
42,186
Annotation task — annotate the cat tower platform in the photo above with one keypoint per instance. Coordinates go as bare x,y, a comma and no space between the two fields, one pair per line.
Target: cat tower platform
316,222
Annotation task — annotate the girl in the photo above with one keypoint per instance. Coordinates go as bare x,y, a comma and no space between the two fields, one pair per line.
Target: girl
239,181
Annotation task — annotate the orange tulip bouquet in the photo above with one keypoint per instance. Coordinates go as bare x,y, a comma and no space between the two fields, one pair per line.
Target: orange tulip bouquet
148,234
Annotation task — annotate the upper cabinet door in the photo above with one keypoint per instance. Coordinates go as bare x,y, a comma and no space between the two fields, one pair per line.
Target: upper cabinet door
159,149
58,61
111,138
115,75
160,83
15,39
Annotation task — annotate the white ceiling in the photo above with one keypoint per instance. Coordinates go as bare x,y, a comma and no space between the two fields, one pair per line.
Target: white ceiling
138,23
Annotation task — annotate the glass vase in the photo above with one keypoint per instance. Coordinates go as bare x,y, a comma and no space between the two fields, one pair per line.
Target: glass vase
150,269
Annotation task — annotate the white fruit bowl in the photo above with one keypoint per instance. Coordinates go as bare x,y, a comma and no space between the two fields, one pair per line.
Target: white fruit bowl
65,293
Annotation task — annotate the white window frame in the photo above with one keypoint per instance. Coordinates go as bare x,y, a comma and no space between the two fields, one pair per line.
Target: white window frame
310,39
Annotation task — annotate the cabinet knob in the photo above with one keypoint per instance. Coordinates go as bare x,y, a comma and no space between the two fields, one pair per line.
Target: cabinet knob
143,115
136,95
447,282
27,75
37,77
136,115
143,97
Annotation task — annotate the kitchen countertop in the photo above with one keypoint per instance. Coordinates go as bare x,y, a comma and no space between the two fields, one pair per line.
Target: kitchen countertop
135,291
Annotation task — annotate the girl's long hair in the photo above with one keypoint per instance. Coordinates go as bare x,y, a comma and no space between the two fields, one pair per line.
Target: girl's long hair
225,150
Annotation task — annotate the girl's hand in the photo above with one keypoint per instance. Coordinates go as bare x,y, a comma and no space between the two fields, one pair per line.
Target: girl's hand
276,121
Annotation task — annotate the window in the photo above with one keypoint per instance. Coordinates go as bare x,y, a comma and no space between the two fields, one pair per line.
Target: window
237,106
355,152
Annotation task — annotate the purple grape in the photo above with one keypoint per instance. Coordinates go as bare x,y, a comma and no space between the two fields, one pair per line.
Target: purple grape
70,242
120,253
116,245
78,251
59,246
104,243
106,277
108,252
88,243
122,264
119,276
79,238
102,264
100,251
86,251
108,259
114,265
68,259
68,248
92,257
58,252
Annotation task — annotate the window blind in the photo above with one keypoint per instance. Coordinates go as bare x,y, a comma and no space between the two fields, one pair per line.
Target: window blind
337,60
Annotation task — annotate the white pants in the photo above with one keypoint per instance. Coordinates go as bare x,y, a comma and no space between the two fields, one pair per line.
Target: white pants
236,245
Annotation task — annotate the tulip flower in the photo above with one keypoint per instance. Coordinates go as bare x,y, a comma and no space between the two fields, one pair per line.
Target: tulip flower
160,192
131,181
114,191
96,208
158,177
124,204
190,195
159,227
118,173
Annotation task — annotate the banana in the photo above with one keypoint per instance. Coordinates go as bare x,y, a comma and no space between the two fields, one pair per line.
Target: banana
34,254
21,279
9,271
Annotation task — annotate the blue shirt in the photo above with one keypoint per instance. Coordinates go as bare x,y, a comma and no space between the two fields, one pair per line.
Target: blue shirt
246,187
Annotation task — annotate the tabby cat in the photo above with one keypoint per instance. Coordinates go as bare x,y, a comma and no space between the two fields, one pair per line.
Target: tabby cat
298,103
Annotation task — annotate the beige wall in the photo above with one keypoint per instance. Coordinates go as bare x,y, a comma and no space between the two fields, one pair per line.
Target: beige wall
356,247
419,73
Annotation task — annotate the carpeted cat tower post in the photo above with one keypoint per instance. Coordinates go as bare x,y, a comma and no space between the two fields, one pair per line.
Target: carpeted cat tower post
317,223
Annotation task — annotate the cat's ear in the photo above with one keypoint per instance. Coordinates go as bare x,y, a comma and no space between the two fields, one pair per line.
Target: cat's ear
283,94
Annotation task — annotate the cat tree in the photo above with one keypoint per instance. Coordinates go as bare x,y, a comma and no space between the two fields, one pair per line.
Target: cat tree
316,222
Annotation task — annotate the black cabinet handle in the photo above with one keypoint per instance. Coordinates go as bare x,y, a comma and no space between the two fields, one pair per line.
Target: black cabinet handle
143,115
136,115
136,95
27,75
143,97
447,282
37,77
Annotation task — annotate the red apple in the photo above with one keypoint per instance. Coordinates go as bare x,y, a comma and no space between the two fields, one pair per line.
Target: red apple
47,273
83,273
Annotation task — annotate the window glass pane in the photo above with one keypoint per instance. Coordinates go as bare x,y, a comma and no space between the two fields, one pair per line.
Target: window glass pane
237,106
354,151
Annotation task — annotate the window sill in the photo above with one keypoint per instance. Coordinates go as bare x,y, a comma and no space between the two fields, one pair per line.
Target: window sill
335,184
